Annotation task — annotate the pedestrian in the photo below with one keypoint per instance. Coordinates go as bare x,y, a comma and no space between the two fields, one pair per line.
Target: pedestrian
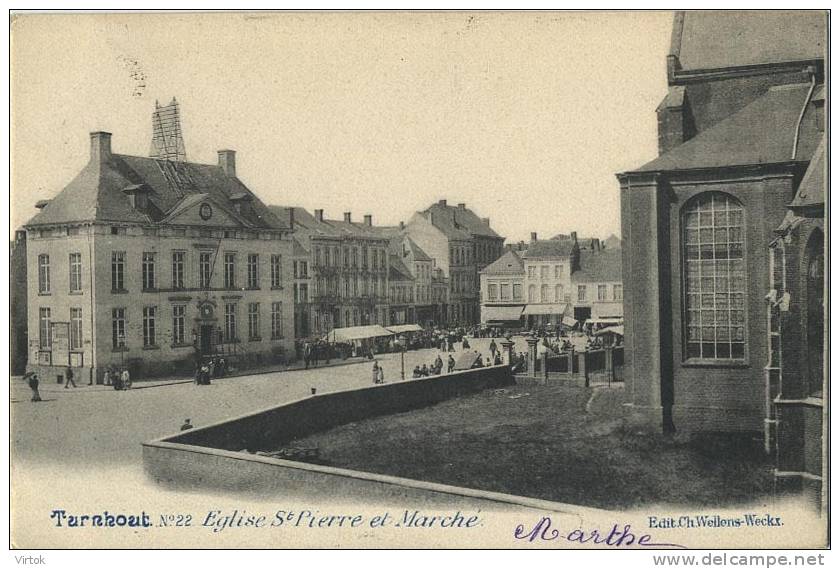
32,380
381,373
126,379
498,359
211,368
375,372
450,364
493,348
424,371
438,365
416,373
69,378
187,425
222,368
106,378
465,345
307,354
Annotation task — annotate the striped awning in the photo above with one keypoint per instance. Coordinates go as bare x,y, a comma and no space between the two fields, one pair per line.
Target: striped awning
536,309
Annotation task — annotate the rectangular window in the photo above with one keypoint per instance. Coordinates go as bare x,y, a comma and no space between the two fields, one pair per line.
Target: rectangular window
230,270
531,271
253,271
715,278
149,325
117,327
317,256
492,292
75,272
544,293
544,272
179,312
148,271
276,320
504,292
178,265
558,293
75,328
602,292
618,292
44,327
304,270
254,321
304,292
275,270
517,292
558,271
230,322
205,269
118,271
581,293
44,274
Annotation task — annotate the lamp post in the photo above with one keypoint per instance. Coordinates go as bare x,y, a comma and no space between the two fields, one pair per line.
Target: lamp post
401,345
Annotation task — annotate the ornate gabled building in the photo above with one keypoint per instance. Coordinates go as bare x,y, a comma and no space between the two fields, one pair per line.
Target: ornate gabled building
150,264
739,129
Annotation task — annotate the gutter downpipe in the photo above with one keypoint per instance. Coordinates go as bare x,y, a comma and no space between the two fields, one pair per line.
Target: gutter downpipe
812,72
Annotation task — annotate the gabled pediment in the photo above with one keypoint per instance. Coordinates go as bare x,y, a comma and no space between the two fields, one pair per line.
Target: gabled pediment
201,209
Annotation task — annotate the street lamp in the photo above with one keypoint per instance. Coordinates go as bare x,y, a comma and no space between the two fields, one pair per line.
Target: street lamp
401,345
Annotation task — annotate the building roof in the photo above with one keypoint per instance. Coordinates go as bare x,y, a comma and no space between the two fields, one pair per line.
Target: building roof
760,133
722,38
458,222
96,193
599,266
419,254
397,271
549,248
507,264
811,190
612,242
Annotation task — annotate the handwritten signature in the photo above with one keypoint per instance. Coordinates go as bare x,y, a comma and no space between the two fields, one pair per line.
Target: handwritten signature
617,537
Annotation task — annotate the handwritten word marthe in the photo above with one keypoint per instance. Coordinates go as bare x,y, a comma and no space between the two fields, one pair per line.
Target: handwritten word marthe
617,537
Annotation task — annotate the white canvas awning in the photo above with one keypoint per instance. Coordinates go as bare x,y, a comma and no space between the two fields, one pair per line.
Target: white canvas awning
569,321
606,321
357,333
502,313
403,328
619,330
537,309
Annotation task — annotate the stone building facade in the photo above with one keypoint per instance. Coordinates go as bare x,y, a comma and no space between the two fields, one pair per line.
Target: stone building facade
737,132
151,264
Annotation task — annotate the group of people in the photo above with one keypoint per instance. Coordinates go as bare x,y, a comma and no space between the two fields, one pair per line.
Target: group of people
435,369
119,379
313,352
205,370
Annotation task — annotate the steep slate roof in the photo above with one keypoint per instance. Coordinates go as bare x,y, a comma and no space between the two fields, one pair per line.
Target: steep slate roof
760,133
397,271
463,225
599,266
96,193
718,39
507,264
549,248
419,254
812,188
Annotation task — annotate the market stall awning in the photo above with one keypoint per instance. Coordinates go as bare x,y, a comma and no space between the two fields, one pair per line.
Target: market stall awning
606,321
536,309
608,310
569,321
502,313
402,328
357,333
619,330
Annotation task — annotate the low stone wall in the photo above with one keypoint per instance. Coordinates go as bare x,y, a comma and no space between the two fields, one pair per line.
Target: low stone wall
209,457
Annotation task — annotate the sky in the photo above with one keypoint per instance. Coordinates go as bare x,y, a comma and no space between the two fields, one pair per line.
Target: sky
525,117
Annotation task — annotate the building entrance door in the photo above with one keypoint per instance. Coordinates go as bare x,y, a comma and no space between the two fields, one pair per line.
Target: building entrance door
206,339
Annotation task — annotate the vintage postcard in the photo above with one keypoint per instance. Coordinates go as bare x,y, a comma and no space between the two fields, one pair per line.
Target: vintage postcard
380,279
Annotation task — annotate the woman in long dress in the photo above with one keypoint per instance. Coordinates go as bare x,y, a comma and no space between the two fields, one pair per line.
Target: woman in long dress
32,380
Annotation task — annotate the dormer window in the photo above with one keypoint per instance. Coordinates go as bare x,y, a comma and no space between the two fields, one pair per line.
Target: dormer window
138,194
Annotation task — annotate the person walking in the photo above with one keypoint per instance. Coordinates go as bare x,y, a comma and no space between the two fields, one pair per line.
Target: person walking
450,364
375,372
106,377
126,379
381,373
32,380
493,349
69,378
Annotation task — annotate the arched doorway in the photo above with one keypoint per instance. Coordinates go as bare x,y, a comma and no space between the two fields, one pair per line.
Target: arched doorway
814,298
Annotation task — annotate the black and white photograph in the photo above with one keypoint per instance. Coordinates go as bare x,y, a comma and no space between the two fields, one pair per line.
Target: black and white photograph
420,280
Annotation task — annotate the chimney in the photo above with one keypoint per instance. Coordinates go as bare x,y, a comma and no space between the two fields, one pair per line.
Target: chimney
347,217
369,220
100,145
291,217
574,236
402,225
227,162
462,206
319,215
521,245
485,221
442,202
533,237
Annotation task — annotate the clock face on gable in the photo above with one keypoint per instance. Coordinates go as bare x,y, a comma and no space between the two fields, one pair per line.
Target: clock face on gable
205,211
